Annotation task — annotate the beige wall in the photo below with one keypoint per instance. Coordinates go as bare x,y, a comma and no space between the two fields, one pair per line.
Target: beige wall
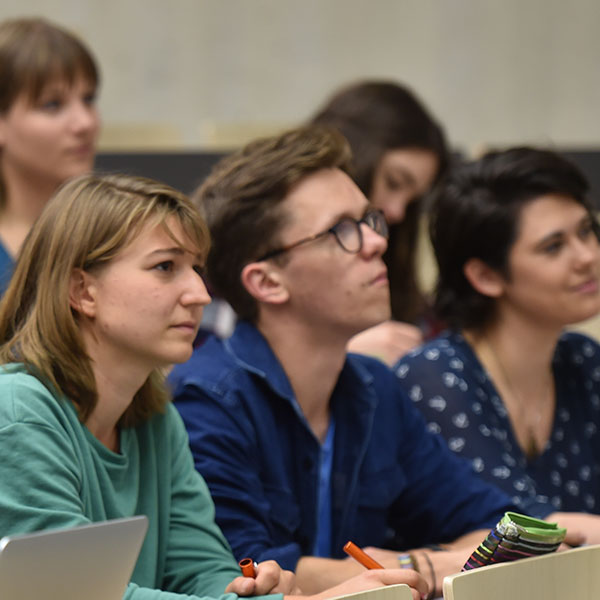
191,73
208,73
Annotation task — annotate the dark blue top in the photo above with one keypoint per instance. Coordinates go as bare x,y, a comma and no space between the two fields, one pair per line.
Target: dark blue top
447,382
393,484
7,264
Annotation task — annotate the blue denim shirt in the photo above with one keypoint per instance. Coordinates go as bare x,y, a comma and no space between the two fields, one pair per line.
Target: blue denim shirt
393,483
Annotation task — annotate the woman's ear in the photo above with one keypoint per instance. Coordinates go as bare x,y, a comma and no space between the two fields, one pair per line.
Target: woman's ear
483,278
82,293
264,283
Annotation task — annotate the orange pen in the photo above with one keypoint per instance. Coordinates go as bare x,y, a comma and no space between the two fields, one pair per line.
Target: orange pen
248,567
361,556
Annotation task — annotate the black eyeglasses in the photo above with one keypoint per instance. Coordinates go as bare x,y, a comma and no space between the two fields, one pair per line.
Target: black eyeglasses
347,233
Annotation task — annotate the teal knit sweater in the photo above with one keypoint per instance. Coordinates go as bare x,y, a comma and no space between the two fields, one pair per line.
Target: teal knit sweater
54,473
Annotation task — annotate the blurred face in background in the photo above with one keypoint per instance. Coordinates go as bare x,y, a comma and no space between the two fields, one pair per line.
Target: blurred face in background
52,138
401,177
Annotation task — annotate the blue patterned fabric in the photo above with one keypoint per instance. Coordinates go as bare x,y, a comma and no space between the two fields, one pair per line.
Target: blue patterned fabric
446,381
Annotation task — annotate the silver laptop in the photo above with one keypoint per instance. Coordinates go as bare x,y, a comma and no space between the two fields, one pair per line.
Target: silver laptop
91,562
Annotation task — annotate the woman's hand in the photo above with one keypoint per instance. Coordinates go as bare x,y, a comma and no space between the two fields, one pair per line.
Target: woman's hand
375,578
582,528
439,565
388,341
270,579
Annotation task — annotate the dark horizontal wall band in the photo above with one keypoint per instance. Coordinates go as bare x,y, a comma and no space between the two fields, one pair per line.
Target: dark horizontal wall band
186,170
182,170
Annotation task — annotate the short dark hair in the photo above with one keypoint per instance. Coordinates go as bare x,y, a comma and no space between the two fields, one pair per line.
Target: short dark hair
476,215
377,116
241,202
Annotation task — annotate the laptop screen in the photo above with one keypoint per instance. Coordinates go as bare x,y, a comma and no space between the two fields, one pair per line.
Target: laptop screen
91,562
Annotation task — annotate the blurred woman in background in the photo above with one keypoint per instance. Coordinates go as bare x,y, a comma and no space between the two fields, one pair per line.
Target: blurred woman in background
49,123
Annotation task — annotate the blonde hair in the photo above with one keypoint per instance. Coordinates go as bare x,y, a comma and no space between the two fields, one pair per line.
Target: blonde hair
85,225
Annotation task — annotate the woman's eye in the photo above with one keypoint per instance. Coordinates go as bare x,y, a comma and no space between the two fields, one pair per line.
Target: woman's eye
51,105
394,184
165,266
552,248
586,230
90,99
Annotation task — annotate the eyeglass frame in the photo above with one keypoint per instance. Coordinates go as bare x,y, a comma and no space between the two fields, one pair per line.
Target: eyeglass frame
333,230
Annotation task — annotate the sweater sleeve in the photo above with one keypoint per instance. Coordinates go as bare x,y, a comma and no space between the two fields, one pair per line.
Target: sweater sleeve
40,469
199,563
199,560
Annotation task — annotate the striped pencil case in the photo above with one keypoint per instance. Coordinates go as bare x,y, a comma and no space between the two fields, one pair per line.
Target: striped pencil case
516,536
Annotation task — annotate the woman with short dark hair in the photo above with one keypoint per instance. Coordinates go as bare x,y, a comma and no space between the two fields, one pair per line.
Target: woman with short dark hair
516,241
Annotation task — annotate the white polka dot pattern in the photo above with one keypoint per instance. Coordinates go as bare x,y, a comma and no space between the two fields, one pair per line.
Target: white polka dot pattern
449,385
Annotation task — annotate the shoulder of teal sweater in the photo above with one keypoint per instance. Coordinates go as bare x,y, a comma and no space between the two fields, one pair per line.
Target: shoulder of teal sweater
169,428
25,398
168,418
163,429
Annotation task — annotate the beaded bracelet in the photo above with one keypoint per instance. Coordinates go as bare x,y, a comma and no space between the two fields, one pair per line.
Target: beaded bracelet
405,561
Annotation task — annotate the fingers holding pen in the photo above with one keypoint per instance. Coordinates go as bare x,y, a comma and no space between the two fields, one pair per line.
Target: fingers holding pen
268,578
376,578
272,579
262,579
417,583
418,586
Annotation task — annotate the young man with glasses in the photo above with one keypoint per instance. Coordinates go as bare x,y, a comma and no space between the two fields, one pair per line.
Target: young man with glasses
303,446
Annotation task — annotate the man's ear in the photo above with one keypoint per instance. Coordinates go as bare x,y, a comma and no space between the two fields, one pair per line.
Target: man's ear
82,293
483,278
264,283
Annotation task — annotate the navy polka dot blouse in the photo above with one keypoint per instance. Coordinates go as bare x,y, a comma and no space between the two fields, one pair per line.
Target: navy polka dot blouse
449,385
